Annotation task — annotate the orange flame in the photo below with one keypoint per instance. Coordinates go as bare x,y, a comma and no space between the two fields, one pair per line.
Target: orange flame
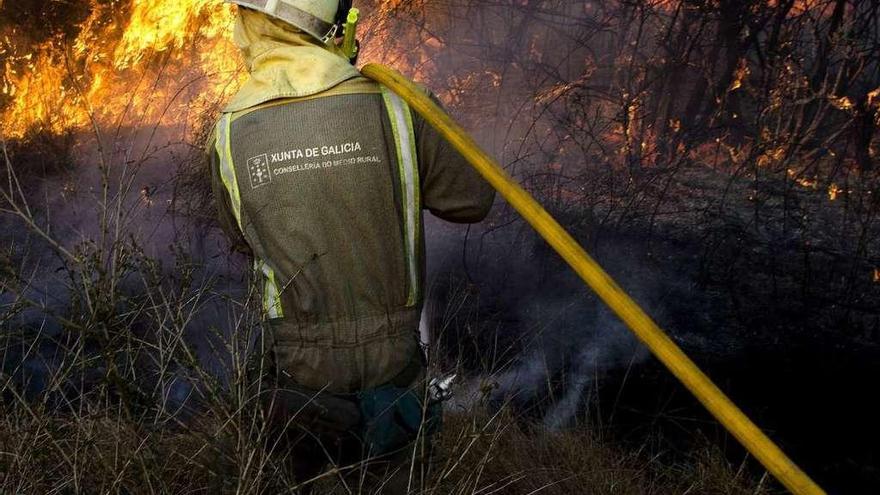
111,73
155,62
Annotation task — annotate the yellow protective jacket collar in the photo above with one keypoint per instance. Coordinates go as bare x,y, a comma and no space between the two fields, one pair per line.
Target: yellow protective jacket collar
283,61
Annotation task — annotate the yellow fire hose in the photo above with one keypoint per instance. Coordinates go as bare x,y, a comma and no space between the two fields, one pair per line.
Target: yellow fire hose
727,413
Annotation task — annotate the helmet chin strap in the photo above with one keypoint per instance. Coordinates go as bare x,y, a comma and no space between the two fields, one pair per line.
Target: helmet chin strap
331,35
341,15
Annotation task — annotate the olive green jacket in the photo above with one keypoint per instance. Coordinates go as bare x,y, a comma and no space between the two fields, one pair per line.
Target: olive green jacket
331,216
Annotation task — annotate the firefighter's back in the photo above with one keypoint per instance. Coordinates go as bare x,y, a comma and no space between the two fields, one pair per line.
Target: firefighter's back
328,206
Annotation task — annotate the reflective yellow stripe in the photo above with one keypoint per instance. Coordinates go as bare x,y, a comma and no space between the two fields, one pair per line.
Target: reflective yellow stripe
405,144
227,169
271,290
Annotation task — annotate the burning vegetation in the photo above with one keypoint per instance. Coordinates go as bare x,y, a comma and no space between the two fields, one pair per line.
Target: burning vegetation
121,65
719,155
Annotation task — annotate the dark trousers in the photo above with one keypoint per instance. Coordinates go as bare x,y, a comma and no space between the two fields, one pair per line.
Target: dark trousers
319,437
340,464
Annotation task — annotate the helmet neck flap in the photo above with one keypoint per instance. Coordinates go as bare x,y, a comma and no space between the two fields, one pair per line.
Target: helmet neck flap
283,61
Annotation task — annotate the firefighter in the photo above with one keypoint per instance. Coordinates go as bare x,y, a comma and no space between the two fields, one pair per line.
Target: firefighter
321,176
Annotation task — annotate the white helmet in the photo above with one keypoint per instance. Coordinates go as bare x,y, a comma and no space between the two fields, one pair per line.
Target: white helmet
319,18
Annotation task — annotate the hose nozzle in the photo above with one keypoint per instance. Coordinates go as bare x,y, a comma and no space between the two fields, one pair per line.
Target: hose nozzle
440,389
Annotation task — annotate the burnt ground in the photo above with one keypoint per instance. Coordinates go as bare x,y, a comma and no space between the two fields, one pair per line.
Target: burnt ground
772,298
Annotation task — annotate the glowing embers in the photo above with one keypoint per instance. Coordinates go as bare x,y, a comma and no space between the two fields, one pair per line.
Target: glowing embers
803,181
833,191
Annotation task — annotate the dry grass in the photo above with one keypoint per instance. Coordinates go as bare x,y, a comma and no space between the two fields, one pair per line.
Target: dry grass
103,453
